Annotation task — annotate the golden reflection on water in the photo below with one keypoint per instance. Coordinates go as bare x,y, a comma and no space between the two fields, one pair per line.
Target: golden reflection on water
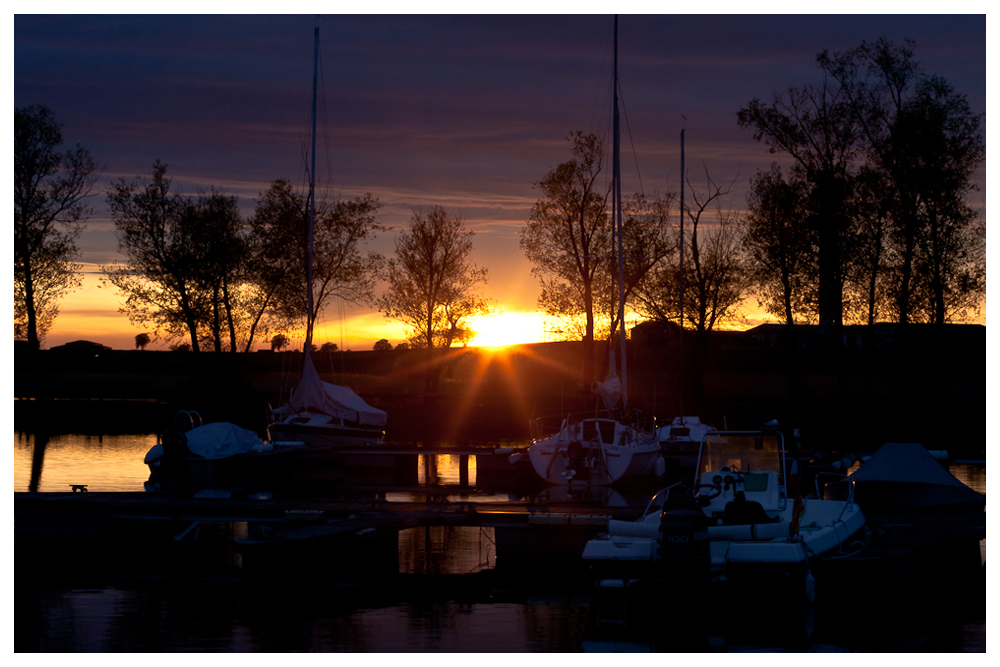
103,463
443,469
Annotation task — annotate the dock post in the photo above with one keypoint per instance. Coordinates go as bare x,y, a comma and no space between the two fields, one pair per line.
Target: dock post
463,470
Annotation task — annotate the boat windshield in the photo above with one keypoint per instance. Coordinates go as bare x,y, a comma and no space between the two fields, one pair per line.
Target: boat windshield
746,452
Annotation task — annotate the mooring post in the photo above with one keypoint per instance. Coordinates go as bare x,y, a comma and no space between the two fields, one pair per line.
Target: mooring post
463,470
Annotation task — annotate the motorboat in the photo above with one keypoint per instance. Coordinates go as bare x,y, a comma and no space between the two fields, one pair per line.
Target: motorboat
219,454
738,521
903,478
326,415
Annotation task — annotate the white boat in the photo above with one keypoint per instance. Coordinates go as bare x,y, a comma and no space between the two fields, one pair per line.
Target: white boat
680,441
742,524
318,413
684,431
594,451
600,451
326,415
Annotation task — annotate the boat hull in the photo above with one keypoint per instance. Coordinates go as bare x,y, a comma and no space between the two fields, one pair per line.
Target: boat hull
326,437
579,455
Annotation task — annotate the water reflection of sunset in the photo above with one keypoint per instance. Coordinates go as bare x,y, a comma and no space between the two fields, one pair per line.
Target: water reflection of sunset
443,469
103,463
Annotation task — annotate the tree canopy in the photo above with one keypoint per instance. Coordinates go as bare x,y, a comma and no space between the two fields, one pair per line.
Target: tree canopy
568,237
432,283
341,266
194,267
50,192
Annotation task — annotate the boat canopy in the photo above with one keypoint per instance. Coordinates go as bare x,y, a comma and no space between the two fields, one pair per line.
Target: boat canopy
315,395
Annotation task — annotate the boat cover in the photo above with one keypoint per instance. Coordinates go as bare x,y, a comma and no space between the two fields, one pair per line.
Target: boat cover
330,399
221,439
914,477
610,390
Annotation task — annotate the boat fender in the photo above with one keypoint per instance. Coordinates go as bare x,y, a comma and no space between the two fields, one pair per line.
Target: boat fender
810,586
660,468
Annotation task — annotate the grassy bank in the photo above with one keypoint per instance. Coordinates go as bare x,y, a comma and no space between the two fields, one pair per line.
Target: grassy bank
851,399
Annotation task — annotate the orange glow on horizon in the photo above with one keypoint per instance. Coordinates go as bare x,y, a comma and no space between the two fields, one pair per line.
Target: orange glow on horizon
507,328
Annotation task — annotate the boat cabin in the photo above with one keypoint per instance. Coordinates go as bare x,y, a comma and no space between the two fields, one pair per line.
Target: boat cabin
740,477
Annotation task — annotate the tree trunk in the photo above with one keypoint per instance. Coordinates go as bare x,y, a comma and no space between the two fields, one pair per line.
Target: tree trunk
229,316
216,322
29,304
191,321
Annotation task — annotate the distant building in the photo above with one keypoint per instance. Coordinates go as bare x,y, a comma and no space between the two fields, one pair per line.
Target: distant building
882,335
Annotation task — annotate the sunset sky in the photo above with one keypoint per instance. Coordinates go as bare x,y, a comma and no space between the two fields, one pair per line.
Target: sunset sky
463,111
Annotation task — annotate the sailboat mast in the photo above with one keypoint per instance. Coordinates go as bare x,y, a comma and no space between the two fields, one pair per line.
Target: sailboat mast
312,201
680,375
617,215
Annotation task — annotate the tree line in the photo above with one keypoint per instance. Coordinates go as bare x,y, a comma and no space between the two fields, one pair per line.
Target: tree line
197,272
867,220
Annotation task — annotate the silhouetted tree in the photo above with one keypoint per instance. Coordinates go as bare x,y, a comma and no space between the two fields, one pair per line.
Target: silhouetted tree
161,276
780,245
141,341
341,267
431,282
870,277
715,276
279,342
927,141
219,232
649,238
568,238
817,127
382,345
50,189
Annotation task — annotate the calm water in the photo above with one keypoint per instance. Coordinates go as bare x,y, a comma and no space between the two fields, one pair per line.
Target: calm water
446,593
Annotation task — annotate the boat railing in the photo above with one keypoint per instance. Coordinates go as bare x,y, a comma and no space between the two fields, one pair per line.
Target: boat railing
187,420
826,473
550,425
666,496
850,500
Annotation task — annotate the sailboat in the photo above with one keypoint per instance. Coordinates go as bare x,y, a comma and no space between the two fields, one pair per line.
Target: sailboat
318,416
318,413
600,451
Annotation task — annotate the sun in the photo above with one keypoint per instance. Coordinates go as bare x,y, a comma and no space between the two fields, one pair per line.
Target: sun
508,328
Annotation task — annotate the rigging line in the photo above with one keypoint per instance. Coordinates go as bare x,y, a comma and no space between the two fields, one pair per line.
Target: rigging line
628,129
601,103
325,115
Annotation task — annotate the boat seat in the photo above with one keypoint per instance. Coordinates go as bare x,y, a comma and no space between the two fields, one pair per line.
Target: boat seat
741,511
